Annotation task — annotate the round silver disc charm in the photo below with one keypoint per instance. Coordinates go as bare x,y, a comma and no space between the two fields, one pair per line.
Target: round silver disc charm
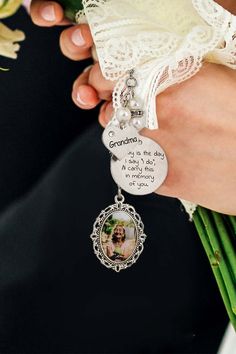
142,170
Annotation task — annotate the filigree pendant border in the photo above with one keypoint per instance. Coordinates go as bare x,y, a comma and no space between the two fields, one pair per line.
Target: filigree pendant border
117,260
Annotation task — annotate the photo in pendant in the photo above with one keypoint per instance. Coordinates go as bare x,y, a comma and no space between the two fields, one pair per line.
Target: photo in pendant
118,236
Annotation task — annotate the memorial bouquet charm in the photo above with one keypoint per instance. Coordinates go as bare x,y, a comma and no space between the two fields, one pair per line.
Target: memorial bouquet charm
147,46
139,166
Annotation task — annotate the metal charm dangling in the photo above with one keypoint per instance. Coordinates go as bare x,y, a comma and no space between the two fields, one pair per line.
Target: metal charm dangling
118,235
140,165
143,170
121,135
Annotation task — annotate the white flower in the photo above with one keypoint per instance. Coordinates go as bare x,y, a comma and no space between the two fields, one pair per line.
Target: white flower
8,41
8,37
8,7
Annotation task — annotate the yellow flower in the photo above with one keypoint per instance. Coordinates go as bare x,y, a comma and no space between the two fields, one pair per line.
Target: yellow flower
8,39
8,7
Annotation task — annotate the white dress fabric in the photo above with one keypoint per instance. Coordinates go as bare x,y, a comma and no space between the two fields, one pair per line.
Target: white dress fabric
165,41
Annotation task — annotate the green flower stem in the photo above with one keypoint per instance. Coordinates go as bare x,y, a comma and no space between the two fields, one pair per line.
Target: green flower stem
226,275
204,238
232,220
226,242
214,265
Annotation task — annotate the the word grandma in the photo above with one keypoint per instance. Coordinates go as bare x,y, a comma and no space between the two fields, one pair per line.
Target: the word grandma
125,141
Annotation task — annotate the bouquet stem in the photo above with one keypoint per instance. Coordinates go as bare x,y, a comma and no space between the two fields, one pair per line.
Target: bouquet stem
232,221
215,237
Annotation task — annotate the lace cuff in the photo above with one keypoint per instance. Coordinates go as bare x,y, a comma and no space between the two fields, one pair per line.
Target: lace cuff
165,41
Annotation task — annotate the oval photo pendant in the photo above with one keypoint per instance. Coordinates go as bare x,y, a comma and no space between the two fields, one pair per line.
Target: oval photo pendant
118,235
142,170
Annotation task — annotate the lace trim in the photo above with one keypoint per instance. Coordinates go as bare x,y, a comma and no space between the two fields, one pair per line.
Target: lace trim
189,207
166,41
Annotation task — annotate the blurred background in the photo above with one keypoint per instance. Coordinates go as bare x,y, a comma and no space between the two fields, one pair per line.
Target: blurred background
37,117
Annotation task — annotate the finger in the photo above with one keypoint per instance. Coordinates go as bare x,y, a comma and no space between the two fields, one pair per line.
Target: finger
76,42
103,87
46,13
84,95
101,115
105,114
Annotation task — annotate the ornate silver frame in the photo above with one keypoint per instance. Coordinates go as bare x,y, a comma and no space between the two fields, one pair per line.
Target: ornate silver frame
97,232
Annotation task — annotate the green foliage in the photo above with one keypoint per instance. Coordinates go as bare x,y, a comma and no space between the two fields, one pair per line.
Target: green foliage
109,225
71,7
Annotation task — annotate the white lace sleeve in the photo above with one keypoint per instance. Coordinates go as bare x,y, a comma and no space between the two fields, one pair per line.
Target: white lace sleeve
165,41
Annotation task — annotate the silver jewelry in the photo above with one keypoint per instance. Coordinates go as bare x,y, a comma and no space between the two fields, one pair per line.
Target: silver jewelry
139,166
118,235
142,170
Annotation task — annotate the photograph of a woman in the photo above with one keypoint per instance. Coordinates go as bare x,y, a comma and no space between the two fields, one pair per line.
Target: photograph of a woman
118,242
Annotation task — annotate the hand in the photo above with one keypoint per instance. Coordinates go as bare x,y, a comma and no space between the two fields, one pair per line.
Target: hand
197,121
75,43
198,132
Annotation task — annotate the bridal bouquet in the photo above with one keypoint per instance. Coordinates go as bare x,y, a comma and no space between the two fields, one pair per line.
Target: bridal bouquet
9,38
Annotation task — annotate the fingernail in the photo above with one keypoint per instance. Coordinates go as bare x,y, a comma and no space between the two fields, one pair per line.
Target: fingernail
109,112
48,13
79,99
103,107
87,68
77,38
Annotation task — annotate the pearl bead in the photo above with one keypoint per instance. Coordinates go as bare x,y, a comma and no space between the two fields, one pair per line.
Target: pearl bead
138,123
123,115
134,104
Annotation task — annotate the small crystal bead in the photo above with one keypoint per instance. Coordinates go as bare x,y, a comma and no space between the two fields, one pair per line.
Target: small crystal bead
123,125
131,82
111,133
